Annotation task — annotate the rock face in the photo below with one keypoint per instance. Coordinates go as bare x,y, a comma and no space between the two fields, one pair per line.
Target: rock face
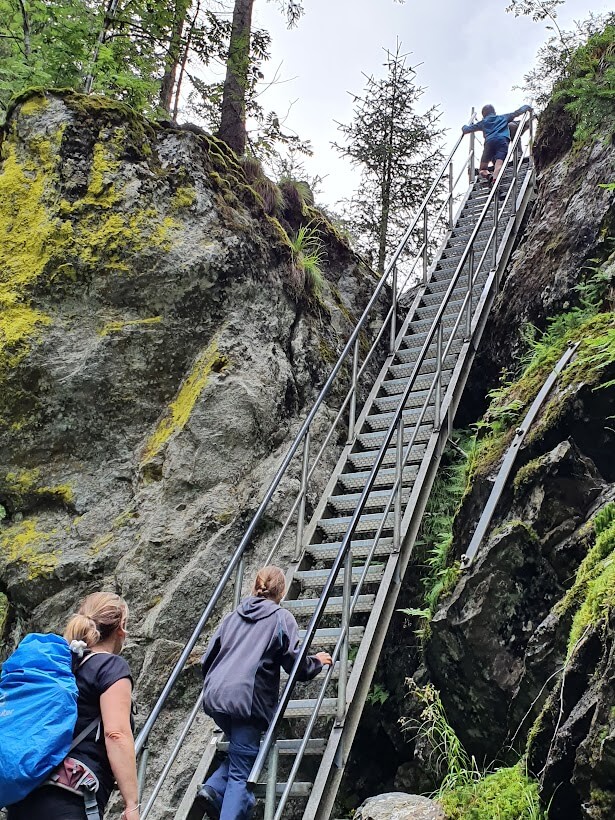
155,363
569,226
399,806
489,648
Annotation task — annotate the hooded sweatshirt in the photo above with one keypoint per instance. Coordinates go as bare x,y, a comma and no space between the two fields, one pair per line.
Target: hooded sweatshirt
241,666
495,126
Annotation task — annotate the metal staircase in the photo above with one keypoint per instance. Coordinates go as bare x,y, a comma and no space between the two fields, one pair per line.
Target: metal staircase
351,555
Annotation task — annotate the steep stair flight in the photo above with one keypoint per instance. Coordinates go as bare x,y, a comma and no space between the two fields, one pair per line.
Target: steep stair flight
351,554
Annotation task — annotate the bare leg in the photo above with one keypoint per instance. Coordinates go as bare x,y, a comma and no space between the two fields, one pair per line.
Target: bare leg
497,168
484,170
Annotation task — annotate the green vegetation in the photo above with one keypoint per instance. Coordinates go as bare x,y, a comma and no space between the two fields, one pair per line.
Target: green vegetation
465,792
48,245
25,544
588,87
585,324
507,794
436,534
115,327
178,411
308,257
593,593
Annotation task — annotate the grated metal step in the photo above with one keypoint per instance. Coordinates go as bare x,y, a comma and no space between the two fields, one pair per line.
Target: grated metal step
382,421
376,439
306,606
298,789
376,500
329,636
411,353
361,548
290,746
304,707
397,386
367,458
317,577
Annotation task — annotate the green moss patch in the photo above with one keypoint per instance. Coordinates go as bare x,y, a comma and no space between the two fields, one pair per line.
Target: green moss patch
25,544
178,412
110,328
507,794
593,593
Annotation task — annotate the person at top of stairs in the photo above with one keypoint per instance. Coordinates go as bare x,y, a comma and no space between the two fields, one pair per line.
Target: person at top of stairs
241,668
495,128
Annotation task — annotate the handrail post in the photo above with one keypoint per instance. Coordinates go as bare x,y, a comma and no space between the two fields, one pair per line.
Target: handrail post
438,388
353,395
471,158
272,782
470,289
450,195
142,770
303,494
425,258
340,713
399,462
238,582
393,311
496,225
515,180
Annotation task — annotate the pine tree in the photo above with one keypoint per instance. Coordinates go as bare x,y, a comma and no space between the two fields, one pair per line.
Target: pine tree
396,149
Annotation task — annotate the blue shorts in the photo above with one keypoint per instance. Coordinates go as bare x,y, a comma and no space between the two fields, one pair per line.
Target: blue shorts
494,150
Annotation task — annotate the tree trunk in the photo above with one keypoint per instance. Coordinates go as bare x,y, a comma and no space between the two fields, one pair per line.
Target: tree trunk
184,59
387,179
25,21
110,9
167,84
233,111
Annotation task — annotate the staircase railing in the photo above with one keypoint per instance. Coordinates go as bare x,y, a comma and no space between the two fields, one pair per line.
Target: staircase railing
349,370
466,314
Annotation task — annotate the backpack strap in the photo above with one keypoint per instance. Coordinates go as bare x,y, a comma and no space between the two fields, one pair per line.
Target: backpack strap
82,735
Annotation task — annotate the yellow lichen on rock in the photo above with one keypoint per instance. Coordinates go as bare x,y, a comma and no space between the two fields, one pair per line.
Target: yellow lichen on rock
116,327
23,543
178,412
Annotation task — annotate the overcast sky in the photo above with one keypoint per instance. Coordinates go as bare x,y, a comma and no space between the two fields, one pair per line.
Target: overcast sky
471,53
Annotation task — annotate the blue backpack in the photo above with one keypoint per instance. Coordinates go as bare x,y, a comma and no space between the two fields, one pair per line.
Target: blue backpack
38,712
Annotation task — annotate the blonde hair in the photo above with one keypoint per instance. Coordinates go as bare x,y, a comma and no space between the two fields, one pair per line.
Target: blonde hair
98,616
270,583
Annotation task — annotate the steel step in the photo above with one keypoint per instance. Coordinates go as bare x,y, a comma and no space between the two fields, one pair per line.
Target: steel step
361,547
386,403
439,284
317,577
382,421
367,458
367,523
374,440
335,675
411,354
453,307
404,371
376,500
298,789
306,606
329,636
384,478
397,386
305,707
315,746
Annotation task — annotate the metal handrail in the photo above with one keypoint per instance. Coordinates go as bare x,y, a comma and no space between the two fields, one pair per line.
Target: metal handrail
396,422
350,350
511,454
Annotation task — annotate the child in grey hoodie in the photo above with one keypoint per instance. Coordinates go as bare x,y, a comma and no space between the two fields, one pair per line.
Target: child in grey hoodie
241,668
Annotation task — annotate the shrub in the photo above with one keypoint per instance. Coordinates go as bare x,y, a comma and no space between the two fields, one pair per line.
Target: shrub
309,256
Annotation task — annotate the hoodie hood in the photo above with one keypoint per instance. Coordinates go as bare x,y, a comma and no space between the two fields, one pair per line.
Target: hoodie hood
256,609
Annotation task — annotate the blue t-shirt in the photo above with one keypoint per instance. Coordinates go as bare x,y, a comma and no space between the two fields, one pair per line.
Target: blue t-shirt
495,126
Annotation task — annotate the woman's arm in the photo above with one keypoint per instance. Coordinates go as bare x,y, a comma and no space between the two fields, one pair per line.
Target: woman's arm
115,705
